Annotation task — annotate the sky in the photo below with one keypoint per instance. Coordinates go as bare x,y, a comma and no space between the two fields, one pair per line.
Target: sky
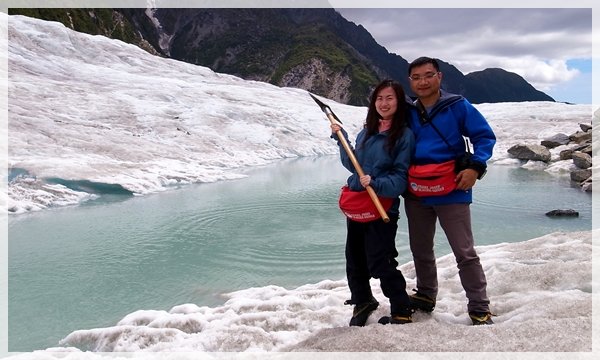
550,48
88,107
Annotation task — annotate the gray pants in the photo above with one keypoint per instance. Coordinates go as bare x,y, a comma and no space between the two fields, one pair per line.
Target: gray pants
455,220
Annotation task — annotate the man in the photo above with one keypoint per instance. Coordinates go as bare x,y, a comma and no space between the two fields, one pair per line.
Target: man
439,121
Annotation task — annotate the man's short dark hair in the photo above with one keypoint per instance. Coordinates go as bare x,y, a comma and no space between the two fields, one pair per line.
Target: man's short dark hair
422,61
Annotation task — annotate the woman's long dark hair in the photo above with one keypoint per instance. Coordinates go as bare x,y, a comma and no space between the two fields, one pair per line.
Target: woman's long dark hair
399,120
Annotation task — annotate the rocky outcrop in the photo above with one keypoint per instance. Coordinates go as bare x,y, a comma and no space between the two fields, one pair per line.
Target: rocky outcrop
582,157
320,78
579,151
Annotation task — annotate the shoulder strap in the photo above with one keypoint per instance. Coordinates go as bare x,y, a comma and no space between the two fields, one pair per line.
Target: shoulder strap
427,118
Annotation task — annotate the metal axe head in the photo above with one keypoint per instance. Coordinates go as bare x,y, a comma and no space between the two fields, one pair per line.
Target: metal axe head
324,107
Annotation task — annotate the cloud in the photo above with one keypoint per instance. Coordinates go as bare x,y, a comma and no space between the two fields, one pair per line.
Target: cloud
534,43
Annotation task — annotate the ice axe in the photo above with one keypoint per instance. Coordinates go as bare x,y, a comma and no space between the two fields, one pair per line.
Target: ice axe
333,119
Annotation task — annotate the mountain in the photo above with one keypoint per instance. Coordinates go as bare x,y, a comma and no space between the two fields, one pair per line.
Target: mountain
314,49
501,84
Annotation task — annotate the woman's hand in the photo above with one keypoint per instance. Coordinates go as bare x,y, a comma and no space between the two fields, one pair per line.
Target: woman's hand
335,128
365,180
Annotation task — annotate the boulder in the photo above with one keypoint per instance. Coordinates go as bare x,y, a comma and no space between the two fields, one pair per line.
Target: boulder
562,213
530,152
556,140
581,160
580,136
586,149
581,175
585,127
566,154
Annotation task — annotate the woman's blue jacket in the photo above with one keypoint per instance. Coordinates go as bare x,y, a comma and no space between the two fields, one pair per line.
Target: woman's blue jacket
388,170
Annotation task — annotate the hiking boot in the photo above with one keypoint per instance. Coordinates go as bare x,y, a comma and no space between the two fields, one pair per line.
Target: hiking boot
481,318
395,319
362,311
419,301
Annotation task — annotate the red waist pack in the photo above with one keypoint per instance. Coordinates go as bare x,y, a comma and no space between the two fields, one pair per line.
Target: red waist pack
358,206
432,179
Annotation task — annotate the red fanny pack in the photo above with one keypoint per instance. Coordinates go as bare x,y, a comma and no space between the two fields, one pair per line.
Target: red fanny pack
432,179
358,206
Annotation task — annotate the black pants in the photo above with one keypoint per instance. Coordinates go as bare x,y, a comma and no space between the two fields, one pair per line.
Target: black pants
371,252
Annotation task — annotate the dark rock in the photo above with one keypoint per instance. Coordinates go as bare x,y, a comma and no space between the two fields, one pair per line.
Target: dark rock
563,213
581,160
580,136
566,154
556,140
585,127
586,149
580,175
530,152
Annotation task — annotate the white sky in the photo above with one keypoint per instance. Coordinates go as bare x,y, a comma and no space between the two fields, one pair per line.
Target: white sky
550,48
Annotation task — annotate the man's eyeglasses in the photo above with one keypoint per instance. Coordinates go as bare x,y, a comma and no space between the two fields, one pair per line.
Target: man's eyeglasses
426,76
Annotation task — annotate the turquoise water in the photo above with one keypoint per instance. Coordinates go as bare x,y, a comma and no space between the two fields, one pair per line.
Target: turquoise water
88,266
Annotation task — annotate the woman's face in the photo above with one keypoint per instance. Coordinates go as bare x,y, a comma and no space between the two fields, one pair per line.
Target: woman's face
386,103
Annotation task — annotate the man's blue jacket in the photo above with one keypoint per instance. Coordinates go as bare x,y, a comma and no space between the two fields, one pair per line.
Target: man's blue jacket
455,118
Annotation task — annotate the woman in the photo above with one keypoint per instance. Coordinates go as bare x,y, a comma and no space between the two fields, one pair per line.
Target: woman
383,149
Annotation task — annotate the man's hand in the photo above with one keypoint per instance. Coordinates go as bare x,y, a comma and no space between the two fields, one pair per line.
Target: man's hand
466,179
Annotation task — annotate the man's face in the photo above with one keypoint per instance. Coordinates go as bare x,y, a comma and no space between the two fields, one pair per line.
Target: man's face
425,81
